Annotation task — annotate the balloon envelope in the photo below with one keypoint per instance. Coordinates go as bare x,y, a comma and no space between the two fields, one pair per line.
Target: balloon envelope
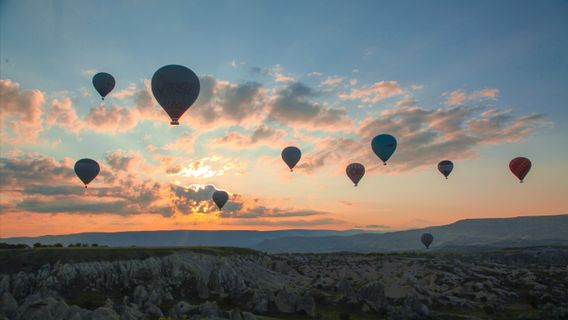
103,83
87,170
220,198
384,146
427,239
291,156
520,166
445,167
175,88
355,171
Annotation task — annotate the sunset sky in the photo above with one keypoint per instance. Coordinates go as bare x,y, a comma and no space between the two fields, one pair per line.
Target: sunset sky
475,82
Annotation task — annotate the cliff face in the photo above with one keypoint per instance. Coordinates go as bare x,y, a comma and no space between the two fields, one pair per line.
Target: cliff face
531,282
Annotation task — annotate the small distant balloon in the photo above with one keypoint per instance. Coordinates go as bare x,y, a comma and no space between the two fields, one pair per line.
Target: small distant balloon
175,88
520,166
445,167
427,239
87,170
355,171
291,155
104,83
384,146
220,198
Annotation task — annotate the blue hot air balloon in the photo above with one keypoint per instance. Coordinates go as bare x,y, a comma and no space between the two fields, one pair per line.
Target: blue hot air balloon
103,83
384,146
175,88
220,198
87,170
291,156
445,167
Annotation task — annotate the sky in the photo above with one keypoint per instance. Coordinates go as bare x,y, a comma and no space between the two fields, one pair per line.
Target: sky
475,82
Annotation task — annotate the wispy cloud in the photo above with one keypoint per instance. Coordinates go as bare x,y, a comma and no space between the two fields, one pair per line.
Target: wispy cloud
374,93
459,97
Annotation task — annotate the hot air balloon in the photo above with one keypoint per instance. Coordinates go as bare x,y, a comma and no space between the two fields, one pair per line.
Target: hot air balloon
87,170
220,198
445,167
291,155
175,88
384,146
520,166
427,239
355,171
104,83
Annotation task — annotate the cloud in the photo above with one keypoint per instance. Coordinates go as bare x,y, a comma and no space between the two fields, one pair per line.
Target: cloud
63,114
294,105
459,97
184,143
206,167
124,160
31,169
262,135
332,81
21,113
110,119
88,73
262,211
222,103
276,72
125,93
40,184
374,93
284,223
424,137
373,226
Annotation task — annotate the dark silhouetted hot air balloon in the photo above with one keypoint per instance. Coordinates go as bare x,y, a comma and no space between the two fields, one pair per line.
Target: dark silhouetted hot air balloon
520,166
220,198
355,171
291,156
427,239
384,146
87,170
104,83
175,88
445,167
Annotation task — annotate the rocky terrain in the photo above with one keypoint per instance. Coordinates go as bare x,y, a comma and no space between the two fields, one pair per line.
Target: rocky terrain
230,283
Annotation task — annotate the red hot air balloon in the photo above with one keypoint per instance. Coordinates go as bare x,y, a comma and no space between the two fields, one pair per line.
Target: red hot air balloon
520,166
355,171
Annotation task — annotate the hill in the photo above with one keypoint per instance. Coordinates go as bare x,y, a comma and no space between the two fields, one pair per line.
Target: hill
478,234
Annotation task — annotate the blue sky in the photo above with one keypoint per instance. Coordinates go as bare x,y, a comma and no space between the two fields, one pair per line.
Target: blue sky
509,56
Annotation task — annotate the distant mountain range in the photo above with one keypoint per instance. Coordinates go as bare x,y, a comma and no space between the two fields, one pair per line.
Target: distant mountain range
175,238
469,234
479,234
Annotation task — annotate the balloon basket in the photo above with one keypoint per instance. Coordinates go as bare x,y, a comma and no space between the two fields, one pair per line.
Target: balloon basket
174,123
